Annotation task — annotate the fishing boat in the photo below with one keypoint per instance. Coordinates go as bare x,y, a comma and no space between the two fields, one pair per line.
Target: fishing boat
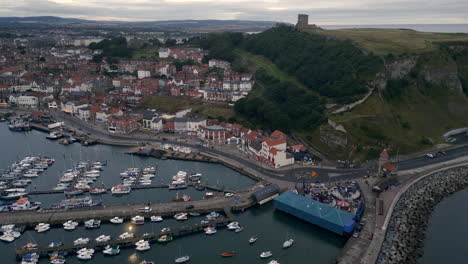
165,238
19,126
109,251
228,254
70,225
42,227
92,223
180,216
121,189
266,254
288,243
81,241
252,240
138,220
116,220
182,259
97,190
103,238
155,218
23,204
126,235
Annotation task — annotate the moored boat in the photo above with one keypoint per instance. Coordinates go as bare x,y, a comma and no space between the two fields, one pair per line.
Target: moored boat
228,254
182,259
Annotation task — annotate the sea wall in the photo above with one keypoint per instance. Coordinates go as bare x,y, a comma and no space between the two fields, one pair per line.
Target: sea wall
406,230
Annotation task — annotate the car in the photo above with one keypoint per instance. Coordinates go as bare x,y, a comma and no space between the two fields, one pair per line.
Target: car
430,155
146,209
443,153
190,206
356,234
370,235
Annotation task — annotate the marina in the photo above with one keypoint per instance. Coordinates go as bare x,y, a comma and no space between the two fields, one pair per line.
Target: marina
213,175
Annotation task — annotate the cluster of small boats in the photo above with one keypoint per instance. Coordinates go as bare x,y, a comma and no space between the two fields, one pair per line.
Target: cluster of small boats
10,233
78,180
234,226
179,181
19,175
19,125
134,177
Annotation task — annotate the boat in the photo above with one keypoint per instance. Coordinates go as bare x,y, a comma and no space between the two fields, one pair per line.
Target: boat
56,244
182,259
81,241
266,254
76,203
273,262
31,246
166,229
228,195
126,235
155,218
228,254
288,243
116,220
177,186
195,176
14,195
54,135
19,126
180,216
165,238
145,209
103,238
210,230
233,225
85,256
209,195
92,223
23,204
212,216
252,240
64,141
85,251
73,192
138,220
109,251
7,237
239,229
194,214
142,245
5,228
59,260
97,190
42,227
30,258
70,225
121,189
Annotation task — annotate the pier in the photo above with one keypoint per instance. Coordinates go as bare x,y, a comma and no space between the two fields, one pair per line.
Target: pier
129,242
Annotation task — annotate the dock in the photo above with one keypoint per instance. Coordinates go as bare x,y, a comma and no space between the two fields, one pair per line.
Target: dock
152,237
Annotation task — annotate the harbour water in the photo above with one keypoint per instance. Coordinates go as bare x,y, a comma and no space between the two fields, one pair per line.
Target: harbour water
447,231
270,226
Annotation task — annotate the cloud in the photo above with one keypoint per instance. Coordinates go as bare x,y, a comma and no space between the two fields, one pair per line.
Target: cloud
320,11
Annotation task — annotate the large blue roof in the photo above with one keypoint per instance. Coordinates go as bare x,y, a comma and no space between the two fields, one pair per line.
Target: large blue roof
315,208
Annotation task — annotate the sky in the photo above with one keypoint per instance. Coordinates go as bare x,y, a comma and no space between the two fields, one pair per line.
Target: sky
321,12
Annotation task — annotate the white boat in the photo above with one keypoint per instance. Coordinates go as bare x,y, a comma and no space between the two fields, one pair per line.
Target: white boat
42,227
155,218
288,243
182,259
252,240
81,241
85,251
210,231
85,256
108,250
103,238
126,235
273,262
143,247
229,195
138,220
212,216
5,228
233,225
266,254
116,220
239,229
13,233
7,238
23,204
120,189
180,216
92,223
70,225
14,195
58,261
13,190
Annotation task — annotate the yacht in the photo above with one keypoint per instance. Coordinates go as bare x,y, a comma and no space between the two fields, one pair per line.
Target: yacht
14,195
42,227
142,245
239,229
56,244
180,216
7,237
210,230
76,203
288,243
266,254
126,235
30,174
116,220
97,190
233,225
54,135
103,238
5,228
252,240
108,250
182,259
138,220
58,260
212,216
81,241
23,204
30,258
149,170
85,256
155,218
70,225
273,262
92,223
120,189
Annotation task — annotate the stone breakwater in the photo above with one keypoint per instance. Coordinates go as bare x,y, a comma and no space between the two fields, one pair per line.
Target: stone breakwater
406,230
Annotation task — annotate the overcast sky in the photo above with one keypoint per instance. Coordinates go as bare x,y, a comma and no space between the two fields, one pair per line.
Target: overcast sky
322,12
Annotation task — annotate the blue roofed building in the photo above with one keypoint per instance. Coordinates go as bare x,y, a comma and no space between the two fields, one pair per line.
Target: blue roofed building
312,211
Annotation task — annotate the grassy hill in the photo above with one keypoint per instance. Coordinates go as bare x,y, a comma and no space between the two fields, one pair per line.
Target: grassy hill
383,41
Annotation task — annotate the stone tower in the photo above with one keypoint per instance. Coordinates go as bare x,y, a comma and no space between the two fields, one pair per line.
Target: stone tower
302,21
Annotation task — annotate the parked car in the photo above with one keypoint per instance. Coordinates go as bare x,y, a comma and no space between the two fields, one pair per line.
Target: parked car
443,153
146,209
370,235
430,155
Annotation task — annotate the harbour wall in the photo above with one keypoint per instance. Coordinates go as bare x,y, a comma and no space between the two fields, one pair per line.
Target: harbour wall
405,233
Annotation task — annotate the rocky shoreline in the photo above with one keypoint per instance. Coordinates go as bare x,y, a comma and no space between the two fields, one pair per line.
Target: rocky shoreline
406,230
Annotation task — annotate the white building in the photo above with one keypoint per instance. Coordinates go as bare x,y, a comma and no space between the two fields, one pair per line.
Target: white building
143,74
52,105
84,113
24,101
156,124
164,53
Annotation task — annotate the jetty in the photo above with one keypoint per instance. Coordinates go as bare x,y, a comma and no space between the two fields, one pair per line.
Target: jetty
129,242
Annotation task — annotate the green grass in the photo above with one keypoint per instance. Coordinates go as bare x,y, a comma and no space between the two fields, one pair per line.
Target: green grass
146,53
173,104
395,41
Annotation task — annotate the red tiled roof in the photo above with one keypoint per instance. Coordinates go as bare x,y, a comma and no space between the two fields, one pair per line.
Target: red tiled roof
300,147
273,151
275,142
278,134
384,154
389,167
